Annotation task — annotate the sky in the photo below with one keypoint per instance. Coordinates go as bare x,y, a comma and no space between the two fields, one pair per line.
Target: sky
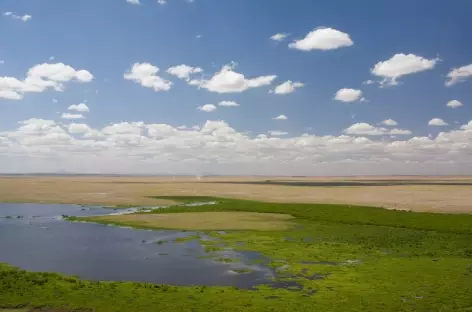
239,87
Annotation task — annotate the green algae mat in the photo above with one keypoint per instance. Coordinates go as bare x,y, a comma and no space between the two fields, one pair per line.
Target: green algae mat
335,257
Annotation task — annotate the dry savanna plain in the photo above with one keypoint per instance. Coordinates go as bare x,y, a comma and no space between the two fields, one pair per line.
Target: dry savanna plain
442,194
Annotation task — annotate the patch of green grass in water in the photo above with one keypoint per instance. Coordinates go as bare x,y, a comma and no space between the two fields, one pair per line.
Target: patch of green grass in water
242,271
369,259
226,260
186,239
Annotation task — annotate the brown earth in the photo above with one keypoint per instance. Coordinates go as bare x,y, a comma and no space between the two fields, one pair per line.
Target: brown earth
134,190
205,220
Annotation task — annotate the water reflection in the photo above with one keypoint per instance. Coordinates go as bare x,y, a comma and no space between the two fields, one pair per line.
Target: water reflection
41,241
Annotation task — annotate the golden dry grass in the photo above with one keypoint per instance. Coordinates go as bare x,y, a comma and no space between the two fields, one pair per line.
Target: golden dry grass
206,220
134,190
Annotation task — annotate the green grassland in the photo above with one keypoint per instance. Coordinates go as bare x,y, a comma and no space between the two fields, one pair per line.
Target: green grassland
343,258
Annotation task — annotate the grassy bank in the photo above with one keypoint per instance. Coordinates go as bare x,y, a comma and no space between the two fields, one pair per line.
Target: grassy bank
343,258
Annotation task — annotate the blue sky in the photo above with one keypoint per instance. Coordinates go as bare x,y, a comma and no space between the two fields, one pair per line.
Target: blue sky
107,37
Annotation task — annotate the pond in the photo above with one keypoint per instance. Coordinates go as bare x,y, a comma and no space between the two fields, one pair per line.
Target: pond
34,237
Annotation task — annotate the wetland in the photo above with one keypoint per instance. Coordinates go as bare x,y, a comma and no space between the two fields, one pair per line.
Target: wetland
325,257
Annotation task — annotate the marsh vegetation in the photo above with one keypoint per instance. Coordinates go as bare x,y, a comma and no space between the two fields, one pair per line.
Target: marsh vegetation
331,258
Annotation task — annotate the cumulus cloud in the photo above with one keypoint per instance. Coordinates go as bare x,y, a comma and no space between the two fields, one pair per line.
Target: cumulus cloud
363,128
146,75
454,104
437,122
368,82
229,81
38,122
184,71
288,87
40,78
459,75
59,72
228,104
207,108
277,133
23,18
133,1
82,107
400,65
215,147
279,36
280,117
78,128
322,39
348,95
389,122
72,116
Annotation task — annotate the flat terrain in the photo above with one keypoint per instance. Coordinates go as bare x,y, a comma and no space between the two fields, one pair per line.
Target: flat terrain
335,258
204,220
433,194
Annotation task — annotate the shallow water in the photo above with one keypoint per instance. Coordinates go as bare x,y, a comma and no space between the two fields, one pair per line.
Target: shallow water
41,241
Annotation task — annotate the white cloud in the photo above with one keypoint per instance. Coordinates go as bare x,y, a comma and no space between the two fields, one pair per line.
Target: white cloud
82,107
54,100
78,128
23,18
133,1
280,117
323,39
363,128
279,36
467,126
124,128
59,72
10,94
229,81
207,108
38,122
26,18
183,71
400,65
162,2
348,95
146,75
454,104
459,75
228,104
217,148
40,78
288,87
437,122
198,36
277,133
72,116
389,122
51,58
400,132
368,82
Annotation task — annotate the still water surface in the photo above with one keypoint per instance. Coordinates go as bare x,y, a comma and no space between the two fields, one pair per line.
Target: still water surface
41,241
